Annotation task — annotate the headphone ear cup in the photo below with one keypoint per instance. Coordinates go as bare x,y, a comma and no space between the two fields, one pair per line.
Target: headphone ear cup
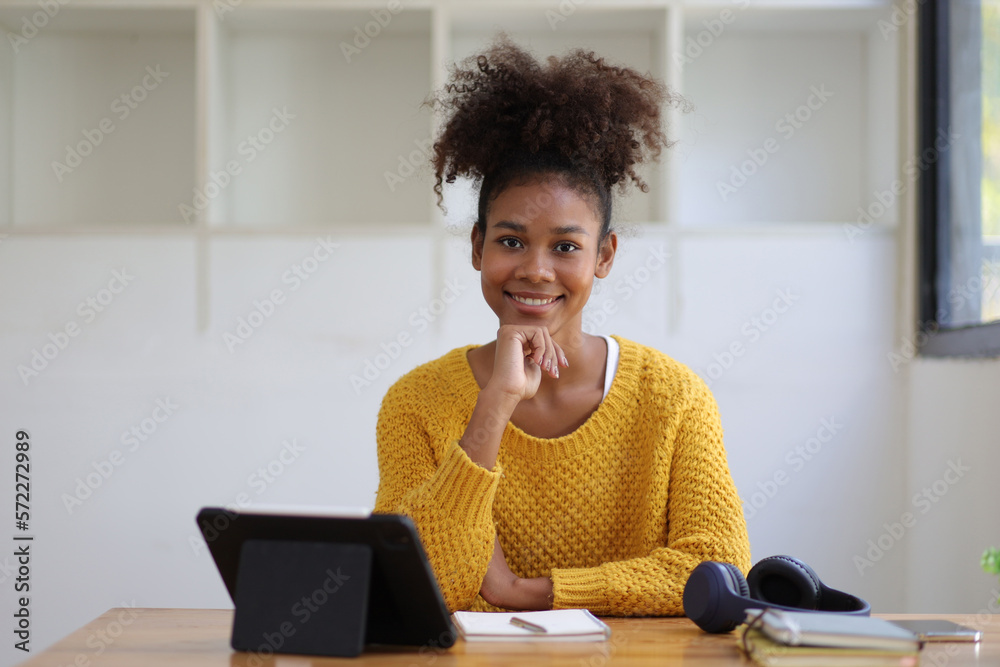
737,582
785,581
715,596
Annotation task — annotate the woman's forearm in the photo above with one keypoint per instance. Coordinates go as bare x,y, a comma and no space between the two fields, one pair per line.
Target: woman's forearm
532,594
481,440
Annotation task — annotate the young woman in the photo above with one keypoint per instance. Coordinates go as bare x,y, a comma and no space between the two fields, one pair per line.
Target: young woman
550,468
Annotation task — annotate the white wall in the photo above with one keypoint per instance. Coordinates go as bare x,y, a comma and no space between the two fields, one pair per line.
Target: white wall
951,490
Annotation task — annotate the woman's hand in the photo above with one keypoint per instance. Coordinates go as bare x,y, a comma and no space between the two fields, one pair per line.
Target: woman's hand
523,353
503,588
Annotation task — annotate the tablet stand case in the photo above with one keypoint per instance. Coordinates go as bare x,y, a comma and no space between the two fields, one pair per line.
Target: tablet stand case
302,597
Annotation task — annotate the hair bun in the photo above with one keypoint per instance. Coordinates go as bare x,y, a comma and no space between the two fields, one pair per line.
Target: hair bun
503,105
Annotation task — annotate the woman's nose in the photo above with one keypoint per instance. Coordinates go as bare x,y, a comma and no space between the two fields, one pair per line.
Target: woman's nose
535,268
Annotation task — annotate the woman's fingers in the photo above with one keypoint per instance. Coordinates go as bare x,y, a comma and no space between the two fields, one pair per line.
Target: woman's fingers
551,354
561,356
543,350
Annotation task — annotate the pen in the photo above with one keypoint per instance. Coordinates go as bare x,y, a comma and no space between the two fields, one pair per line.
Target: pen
527,625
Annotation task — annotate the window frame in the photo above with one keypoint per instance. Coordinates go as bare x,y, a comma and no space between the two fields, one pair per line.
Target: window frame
934,197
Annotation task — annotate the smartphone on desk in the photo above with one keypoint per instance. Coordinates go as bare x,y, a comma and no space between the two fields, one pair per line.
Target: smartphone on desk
933,630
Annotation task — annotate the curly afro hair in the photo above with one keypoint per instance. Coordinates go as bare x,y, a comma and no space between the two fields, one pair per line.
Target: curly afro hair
508,118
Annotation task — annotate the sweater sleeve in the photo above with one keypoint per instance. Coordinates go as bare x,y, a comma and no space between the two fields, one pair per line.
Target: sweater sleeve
435,483
704,522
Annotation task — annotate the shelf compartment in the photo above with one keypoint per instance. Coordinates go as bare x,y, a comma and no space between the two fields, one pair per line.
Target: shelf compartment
98,115
794,115
316,118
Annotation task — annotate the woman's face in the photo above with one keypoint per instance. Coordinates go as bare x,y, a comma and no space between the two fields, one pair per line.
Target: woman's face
540,254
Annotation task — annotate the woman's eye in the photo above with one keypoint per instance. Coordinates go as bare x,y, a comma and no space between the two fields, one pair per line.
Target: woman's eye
510,242
565,247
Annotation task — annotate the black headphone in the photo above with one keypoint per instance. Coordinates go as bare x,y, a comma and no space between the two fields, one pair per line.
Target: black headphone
716,596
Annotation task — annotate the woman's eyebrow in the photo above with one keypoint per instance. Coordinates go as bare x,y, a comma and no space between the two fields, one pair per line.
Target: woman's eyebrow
558,231
570,229
513,226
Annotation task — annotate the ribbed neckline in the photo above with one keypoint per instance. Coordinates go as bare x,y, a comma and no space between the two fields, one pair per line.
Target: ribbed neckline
591,434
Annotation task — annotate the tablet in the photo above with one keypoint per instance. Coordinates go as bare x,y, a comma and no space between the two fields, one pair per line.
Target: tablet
401,606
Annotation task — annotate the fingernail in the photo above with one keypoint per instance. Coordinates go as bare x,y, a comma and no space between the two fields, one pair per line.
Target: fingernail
565,361
548,365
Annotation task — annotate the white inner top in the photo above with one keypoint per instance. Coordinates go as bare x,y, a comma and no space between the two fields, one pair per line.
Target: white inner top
609,373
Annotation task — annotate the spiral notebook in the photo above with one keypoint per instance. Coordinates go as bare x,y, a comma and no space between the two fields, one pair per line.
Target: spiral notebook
575,625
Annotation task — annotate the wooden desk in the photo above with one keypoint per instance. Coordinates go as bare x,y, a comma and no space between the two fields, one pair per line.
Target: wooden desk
196,637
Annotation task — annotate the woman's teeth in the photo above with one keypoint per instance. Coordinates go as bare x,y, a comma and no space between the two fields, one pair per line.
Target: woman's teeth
533,302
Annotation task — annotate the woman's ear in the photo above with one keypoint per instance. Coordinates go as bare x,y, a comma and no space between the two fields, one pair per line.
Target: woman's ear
477,247
606,255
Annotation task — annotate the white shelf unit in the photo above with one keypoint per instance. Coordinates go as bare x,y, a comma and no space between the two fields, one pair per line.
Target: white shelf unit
241,69
317,132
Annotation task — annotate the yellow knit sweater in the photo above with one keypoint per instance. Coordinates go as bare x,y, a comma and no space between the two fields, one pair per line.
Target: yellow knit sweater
617,513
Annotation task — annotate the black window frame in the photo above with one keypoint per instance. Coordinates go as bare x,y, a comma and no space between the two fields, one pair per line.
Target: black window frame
934,200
